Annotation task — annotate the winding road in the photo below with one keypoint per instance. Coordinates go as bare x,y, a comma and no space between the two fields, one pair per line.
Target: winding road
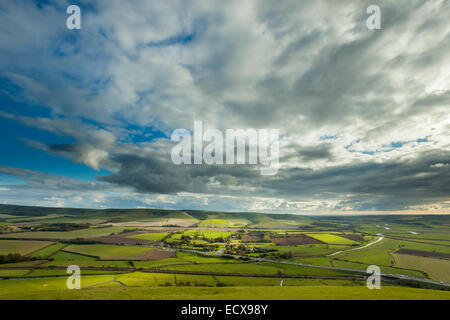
365,246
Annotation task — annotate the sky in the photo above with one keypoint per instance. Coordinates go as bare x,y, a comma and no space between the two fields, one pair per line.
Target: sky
86,115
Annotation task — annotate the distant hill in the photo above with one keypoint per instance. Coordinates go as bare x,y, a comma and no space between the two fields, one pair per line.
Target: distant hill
264,220
121,215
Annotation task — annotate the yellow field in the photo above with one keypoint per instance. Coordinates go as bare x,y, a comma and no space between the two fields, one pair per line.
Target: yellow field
331,238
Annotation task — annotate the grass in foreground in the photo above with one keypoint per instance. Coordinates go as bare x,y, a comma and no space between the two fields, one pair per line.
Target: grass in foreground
114,291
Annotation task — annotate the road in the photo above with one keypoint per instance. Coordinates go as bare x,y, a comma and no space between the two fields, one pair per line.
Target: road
365,246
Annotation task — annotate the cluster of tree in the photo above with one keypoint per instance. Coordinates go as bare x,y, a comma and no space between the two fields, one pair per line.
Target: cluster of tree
186,239
206,247
237,249
220,239
263,250
227,257
14,257
307,227
8,229
277,255
211,240
286,255
103,226
324,224
422,285
244,259
128,230
57,227
80,241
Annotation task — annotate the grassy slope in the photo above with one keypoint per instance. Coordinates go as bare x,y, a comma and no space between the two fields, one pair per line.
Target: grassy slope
85,233
153,286
234,293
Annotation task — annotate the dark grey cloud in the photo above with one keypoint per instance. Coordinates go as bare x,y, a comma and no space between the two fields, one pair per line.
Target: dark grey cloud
321,151
378,186
45,182
157,174
410,181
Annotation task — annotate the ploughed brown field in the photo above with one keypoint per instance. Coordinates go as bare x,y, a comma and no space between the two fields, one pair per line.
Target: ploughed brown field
121,240
158,255
295,239
253,237
419,253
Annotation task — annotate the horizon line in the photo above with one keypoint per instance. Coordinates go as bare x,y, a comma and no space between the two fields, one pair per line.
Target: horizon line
324,213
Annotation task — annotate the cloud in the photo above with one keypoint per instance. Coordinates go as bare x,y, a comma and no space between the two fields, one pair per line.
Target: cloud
311,69
318,152
392,185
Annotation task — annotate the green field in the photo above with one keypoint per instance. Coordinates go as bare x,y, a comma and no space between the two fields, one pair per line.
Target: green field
254,268
197,258
85,233
437,269
49,250
13,273
21,247
64,259
215,222
99,287
379,252
208,234
109,252
331,238
218,255
155,236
